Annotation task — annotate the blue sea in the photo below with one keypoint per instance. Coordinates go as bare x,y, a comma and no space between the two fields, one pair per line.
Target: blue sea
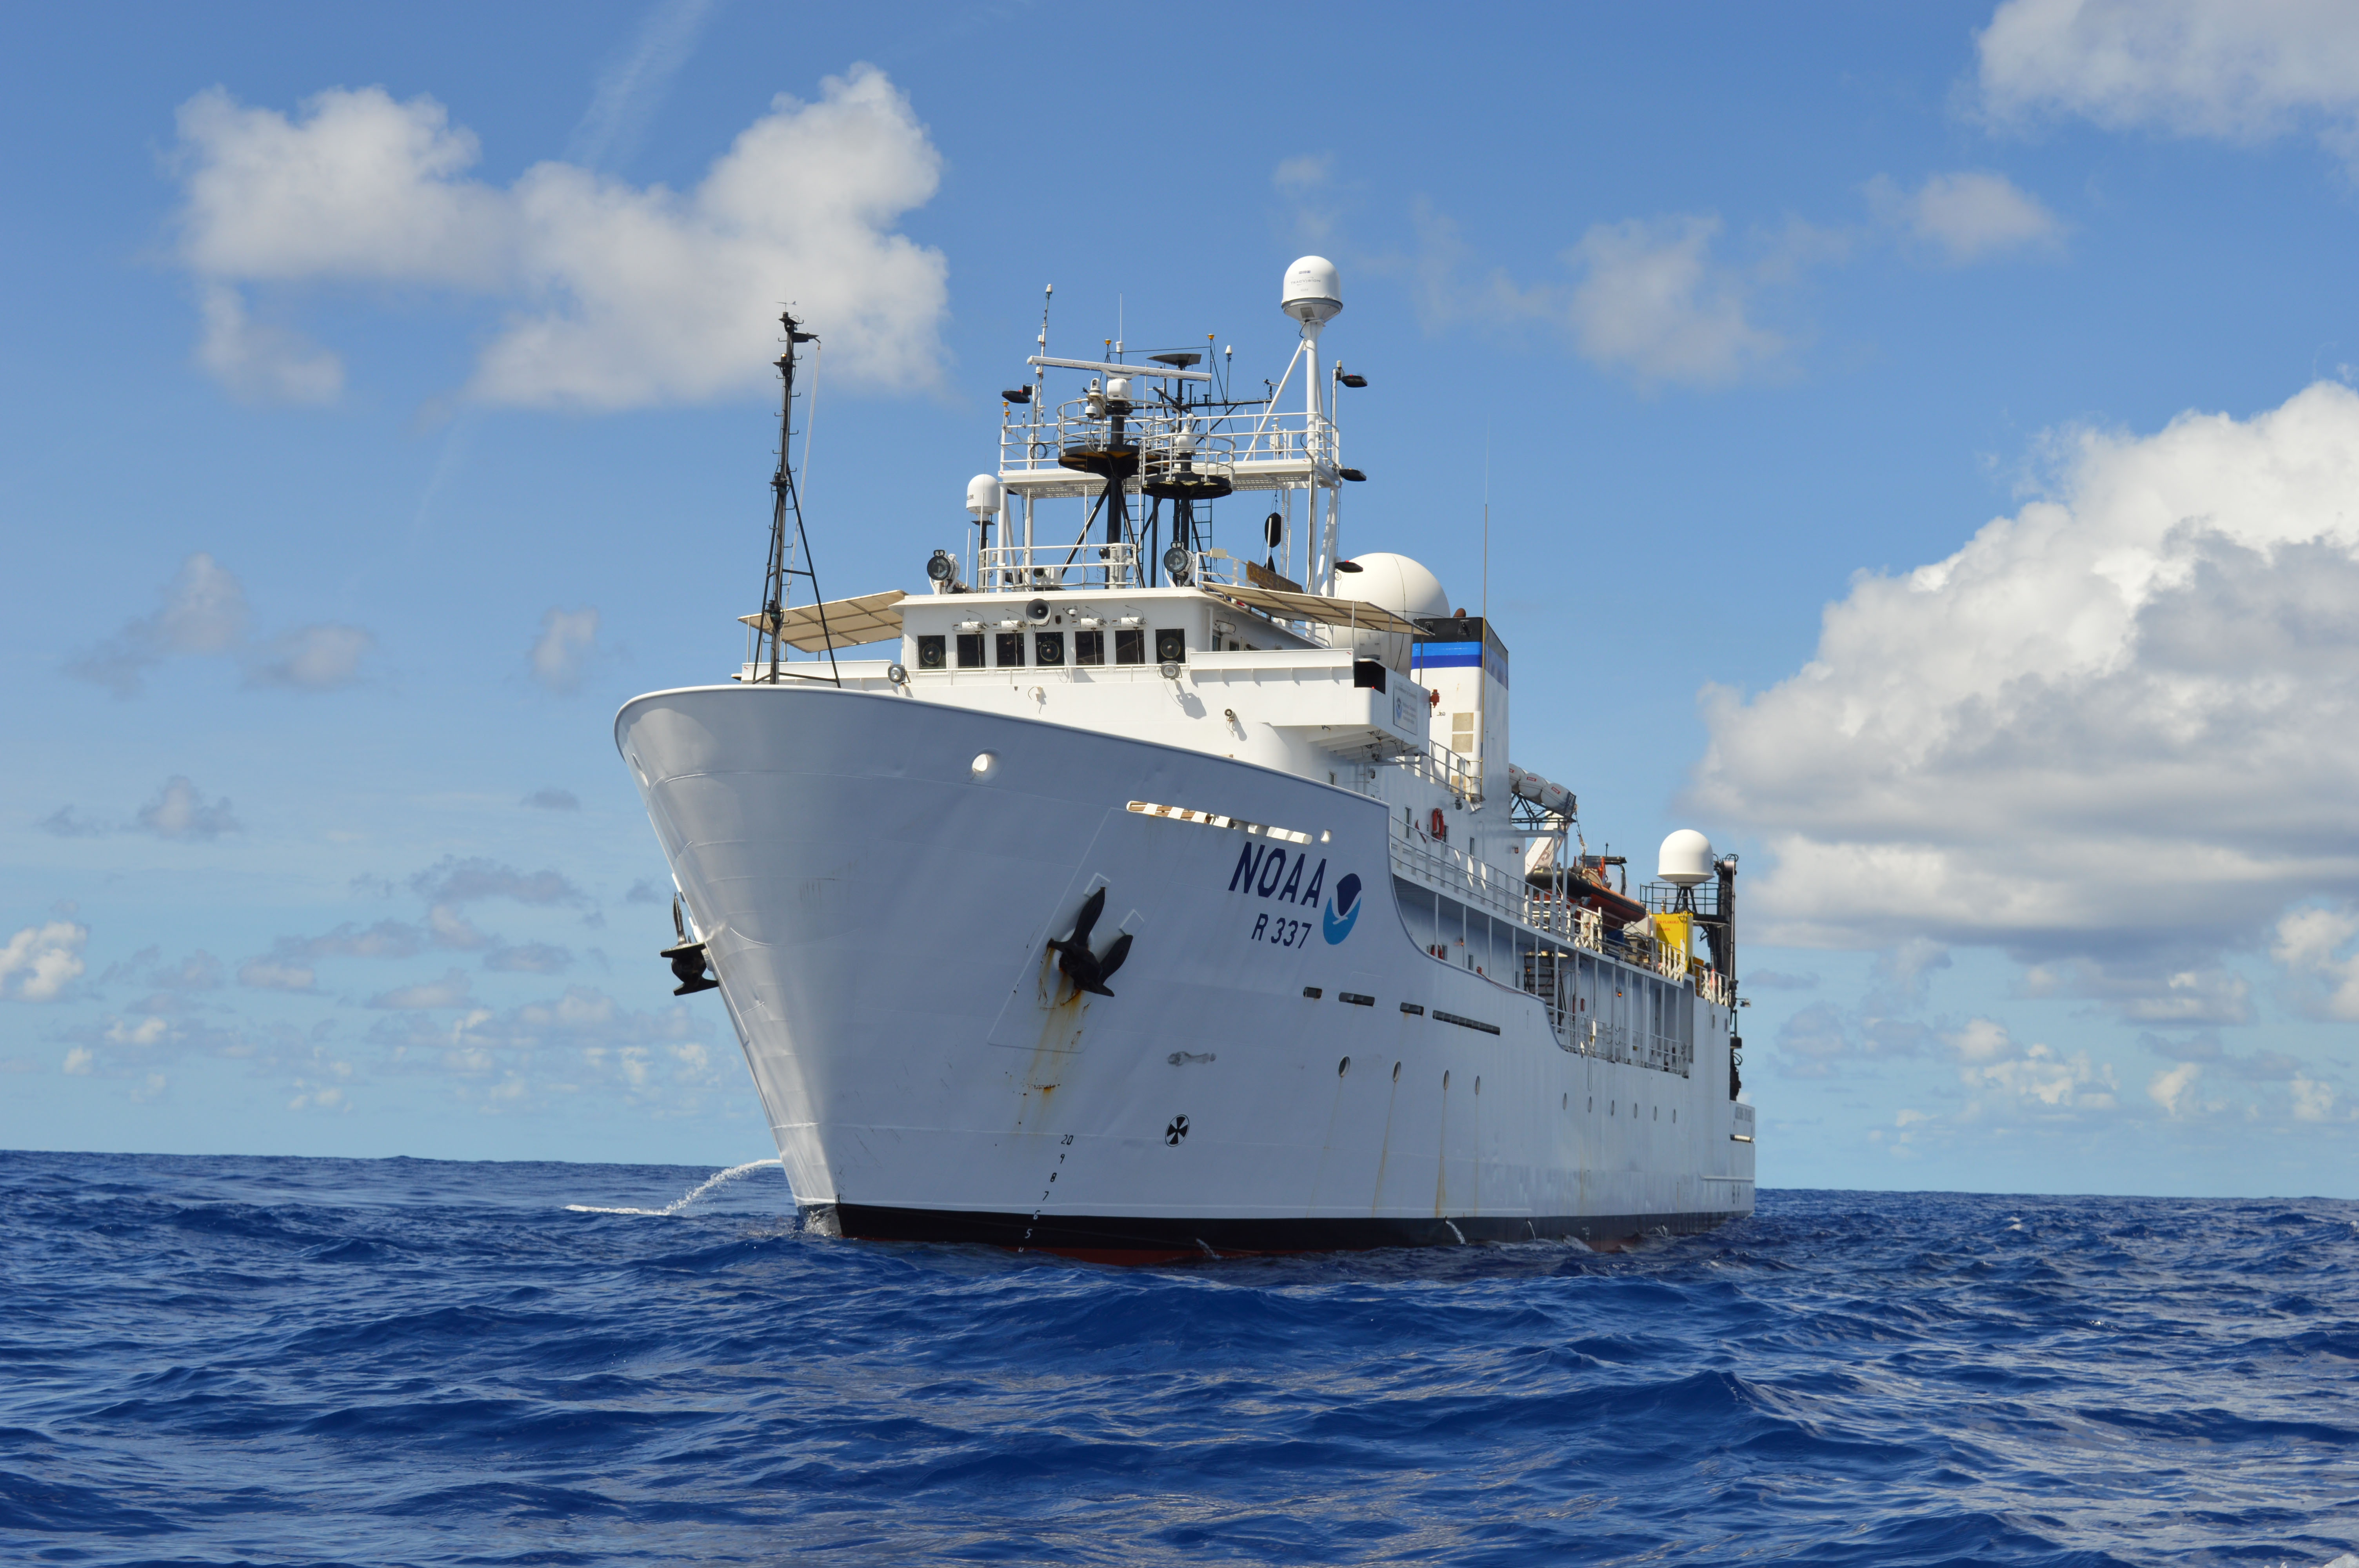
215,1361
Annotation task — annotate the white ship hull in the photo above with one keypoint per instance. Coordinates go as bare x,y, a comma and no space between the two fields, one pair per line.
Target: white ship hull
879,917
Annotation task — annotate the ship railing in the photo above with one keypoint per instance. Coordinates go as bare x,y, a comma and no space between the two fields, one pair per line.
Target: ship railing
1439,864
1241,440
1663,898
1013,568
1437,764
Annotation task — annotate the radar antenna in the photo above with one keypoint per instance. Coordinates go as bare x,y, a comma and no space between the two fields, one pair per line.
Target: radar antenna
785,498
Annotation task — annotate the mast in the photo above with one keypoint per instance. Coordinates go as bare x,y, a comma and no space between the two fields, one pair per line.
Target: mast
784,499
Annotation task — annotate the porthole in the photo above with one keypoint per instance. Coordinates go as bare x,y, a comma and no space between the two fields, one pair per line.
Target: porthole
1343,1066
1445,1079
1395,1072
986,763
1478,1082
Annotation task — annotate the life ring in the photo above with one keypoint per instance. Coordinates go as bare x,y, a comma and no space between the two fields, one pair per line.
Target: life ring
1440,824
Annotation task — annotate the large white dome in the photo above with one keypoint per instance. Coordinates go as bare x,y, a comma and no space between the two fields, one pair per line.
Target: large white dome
1395,583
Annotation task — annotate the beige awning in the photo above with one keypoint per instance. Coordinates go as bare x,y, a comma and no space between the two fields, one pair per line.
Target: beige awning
871,618
1355,612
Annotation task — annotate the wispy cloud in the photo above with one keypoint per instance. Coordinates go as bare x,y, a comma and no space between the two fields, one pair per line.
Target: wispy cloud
553,799
633,86
180,812
567,640
204,613
1969,216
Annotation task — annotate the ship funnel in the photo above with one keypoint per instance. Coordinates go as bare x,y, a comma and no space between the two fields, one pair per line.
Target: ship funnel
1313,291
1685,860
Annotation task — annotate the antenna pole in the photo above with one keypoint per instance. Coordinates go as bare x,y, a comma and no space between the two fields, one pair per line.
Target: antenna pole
784,499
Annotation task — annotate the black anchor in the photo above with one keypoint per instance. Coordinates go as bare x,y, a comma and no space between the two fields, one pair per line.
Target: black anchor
1176,1132
1085,969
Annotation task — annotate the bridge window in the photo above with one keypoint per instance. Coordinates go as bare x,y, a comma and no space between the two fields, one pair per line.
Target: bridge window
1170,645
1130,647
1048,647
1089,647
1010,651
930,652
970,650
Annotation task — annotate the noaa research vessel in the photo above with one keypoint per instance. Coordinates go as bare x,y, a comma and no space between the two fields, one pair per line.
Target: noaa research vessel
1151,898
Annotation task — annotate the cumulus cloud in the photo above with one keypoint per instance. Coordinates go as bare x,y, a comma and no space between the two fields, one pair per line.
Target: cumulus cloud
2008,1079
271,974
40,961
2234,69
66,822
553,799
181,811
621,296
1648,297
2114,734
450,990
1969,216
2315,947
567,638
645,891
453,880
204,613
311,658
528,958
1651,302
260,362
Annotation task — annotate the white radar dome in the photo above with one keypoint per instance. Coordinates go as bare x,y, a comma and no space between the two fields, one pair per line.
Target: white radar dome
1395,583
1685,858
983,495
1313,291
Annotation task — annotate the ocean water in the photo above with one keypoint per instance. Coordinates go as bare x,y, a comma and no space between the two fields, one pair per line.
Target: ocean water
312,1361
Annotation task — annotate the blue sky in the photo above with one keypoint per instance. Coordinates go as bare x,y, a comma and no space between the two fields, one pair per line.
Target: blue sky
1920,442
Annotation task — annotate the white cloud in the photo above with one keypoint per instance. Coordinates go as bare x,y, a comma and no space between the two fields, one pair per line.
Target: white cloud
311,658
2026,1080
78,1061
2312,1101
2114,734
275,974
260,362
2173,1089
1651,301
203,613
1970,215
40,961
622,296
2237,69
1648,298
2307,944
450,990
181,811
567,638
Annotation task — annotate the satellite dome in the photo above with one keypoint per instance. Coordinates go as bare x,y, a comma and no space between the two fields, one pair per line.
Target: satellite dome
1313,292
982,494
1396,583
1685,858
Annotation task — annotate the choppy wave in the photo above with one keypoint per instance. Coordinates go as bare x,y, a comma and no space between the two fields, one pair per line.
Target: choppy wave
293,1361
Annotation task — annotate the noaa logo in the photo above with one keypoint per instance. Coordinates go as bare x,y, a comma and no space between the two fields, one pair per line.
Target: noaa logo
1343,911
